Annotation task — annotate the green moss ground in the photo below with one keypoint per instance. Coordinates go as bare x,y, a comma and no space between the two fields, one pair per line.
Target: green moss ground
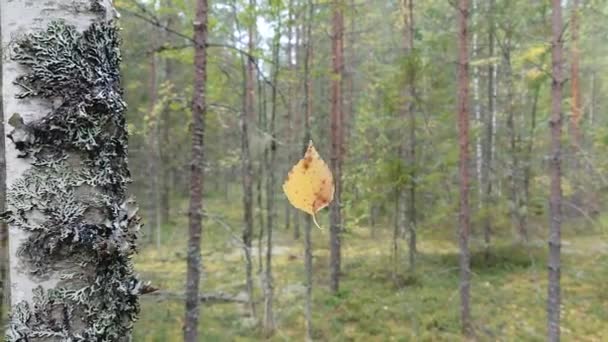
508,291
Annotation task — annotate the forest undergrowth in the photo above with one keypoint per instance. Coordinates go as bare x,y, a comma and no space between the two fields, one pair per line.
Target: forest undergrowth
373,305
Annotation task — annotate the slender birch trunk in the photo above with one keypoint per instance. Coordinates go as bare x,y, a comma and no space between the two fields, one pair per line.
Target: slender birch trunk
248,114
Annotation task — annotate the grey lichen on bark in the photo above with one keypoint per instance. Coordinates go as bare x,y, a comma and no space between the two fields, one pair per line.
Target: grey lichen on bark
80,226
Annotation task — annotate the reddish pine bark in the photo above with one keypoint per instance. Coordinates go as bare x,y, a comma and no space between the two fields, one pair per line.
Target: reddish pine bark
463,129
488,143
196,174
575,119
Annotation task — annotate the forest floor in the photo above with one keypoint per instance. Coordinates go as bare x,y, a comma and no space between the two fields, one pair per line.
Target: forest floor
508,289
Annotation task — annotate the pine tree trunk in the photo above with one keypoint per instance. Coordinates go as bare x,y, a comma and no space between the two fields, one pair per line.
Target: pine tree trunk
488,145
336,145
308,58
575,118
555,201
410,115
199,108
72,227
477,107
463,128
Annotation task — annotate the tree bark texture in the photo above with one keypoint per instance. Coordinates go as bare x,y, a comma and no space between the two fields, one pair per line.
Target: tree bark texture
410,116
199,108
463,129
4,289
336,144
246,165
576,116
555,200
72,227
307,111
487,146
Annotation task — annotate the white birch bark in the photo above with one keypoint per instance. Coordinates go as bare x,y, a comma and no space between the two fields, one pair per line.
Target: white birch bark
19,19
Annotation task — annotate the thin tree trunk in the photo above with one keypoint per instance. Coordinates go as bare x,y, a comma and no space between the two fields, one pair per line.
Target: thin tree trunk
396,230
269,324
477,108
153,137
289,113
528,158
463,128
167,147
72,229
488,146
246,165
575,118
307,137
308,271
555,202
408,18
196,174
336,144
262,119
515,169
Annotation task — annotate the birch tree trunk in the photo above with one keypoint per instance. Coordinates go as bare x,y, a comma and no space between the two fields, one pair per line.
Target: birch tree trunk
269,323
72,228
199,109
247,167
3,227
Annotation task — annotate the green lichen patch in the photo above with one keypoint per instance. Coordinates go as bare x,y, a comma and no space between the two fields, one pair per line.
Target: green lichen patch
72,202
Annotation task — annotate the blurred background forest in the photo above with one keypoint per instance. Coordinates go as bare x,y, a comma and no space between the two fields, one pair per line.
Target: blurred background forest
271,67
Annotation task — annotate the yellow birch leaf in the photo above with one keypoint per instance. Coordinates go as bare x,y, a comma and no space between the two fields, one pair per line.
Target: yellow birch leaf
310,185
